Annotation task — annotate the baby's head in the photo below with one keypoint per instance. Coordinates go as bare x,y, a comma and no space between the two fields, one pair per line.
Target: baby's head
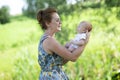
84,26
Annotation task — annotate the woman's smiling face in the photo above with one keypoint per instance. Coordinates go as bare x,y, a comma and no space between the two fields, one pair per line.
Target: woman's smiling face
55,23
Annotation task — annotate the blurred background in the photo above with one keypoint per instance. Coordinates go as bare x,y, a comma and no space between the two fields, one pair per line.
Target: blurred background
20,34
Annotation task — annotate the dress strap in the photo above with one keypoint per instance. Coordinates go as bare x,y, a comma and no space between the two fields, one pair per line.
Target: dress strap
40,46
44,37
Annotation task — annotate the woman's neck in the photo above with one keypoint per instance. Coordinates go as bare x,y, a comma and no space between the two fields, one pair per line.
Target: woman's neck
49,33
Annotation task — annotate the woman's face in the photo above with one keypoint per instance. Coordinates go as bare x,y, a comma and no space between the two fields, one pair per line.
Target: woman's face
55,23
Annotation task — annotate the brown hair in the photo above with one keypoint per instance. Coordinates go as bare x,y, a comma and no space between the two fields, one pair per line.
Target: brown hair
87,24
44,16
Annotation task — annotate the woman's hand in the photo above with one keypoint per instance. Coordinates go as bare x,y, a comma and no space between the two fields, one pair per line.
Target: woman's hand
88,36
65,61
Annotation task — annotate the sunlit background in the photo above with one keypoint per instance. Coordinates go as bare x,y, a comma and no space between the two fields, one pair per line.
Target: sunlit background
15,6
20,34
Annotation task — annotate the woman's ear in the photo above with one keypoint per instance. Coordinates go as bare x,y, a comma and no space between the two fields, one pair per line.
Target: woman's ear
47,24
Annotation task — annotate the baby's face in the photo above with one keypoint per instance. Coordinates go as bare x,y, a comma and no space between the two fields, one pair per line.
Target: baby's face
82,29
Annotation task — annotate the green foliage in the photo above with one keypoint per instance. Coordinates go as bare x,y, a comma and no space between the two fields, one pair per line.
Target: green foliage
19,32
118,13
4,15
116,76
35,5
63,8
31,8
25,67
112,3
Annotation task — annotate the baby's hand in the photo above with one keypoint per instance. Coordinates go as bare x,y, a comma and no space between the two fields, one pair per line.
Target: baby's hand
67,45
71,41
88,36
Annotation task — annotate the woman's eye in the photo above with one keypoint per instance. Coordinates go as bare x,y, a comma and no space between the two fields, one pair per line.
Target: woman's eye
57,20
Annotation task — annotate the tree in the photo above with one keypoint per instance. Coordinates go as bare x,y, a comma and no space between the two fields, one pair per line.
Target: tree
34,5
112,3
4,15
30,9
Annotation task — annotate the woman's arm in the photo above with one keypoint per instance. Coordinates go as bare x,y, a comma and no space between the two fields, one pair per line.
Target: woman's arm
52,45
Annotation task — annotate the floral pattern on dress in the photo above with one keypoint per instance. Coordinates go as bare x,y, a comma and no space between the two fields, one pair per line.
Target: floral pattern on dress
51,64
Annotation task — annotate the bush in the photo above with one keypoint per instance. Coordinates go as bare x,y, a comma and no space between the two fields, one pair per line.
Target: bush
112,3
4,15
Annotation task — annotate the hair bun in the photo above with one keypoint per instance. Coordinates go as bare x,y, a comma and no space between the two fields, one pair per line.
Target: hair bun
45,15
39,16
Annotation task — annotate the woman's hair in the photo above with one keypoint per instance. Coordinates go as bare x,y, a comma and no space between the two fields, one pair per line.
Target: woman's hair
45,16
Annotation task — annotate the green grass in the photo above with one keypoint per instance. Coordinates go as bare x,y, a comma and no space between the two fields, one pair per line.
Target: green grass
13,36
17,32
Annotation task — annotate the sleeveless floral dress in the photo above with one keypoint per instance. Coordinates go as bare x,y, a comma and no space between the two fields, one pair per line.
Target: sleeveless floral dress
51,64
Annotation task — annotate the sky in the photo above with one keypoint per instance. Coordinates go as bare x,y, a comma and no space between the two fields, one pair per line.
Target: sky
15,6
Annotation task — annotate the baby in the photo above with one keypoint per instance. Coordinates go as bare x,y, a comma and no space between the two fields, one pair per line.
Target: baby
80,37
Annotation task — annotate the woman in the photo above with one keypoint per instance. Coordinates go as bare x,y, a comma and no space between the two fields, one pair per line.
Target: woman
51,54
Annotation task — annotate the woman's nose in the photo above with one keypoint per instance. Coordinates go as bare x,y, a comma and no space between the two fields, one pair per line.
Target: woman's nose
60,22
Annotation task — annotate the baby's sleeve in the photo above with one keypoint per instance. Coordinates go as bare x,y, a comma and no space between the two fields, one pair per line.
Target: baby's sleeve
83,36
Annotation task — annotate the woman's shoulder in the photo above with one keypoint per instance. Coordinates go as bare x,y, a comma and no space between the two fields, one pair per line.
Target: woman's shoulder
50,44
50,40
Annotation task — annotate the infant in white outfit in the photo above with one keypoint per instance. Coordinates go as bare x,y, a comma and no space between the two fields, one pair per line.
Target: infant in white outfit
80,37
